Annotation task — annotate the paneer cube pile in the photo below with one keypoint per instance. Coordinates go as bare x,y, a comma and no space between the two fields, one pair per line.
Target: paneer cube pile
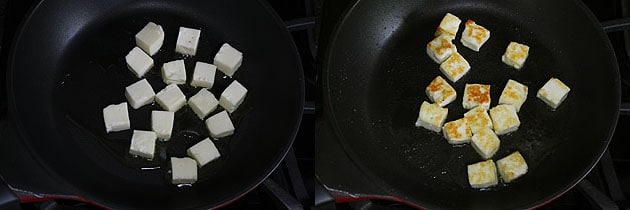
553,92
440,92
442,50
484,174
431,116
171,98
515,55
481,125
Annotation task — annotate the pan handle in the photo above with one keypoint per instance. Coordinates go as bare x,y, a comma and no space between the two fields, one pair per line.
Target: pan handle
616,25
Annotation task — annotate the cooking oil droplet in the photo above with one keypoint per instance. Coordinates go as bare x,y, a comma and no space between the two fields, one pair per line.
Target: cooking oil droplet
485,189
150,168
65,78
184,185
186,56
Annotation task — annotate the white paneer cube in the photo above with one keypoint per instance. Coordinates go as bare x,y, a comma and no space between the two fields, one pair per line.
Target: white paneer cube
474,36
204,152
440,92
187,41
233,96
116,117
162,123
203,103
457,132
478,119
455,67
150,38
220,125
139,94
504,119
553,92
514,94
440,48
515,55
448,26
486,143
476,95
183,170
228,59
143,143
171,98
203,75
138,62
482,174
512,167
431,116
174,72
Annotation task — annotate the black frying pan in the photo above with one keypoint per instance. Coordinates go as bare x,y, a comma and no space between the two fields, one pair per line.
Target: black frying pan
68,63
373,81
